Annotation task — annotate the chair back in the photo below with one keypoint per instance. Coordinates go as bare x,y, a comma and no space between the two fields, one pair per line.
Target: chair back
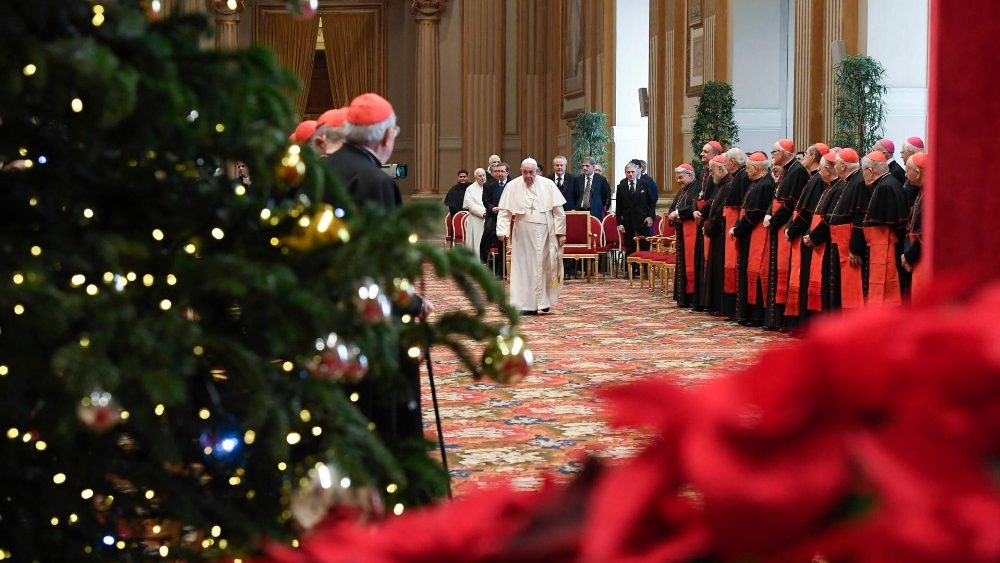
595,232
458,226
609,231
578,229
449,230
664,227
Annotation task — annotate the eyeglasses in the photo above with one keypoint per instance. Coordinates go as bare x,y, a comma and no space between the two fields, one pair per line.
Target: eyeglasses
395,131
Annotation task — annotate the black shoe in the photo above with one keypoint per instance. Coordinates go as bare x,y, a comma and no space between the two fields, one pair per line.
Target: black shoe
715,313
699,309
751,323
770,328
529,312
545,310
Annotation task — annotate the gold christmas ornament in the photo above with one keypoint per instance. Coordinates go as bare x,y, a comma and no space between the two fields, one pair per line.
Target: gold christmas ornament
317,226
507,358
291,170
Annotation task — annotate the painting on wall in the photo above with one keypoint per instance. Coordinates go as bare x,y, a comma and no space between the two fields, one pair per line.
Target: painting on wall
573,46
695,60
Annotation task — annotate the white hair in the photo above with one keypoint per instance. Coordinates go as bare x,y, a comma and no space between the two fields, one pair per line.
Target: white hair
737,155
877,166
333,134
478,170
777,146
758,163
368,135
912,148
560,157
682,170
827,163
529,162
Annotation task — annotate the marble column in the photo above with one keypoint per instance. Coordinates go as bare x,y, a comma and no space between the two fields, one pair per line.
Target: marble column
427,14
227,22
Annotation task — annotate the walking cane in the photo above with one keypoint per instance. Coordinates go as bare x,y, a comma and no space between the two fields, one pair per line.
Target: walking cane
434,398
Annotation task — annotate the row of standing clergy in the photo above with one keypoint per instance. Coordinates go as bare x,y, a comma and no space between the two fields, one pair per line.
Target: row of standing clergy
837,231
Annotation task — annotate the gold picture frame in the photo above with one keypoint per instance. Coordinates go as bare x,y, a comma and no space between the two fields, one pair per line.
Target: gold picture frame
573,48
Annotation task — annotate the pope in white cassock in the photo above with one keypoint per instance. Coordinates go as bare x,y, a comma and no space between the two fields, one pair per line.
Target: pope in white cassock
477,212
535,206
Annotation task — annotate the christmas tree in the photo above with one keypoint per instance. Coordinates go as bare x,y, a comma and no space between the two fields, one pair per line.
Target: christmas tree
174,346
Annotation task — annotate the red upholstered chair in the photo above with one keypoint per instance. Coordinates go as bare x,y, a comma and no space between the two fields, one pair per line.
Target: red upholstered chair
458,227
643,257
596,241
611,243
580,241
449,232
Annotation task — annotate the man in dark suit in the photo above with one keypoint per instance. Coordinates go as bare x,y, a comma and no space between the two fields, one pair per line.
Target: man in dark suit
644,178
370,138
635,208
564,181
491,201
592,191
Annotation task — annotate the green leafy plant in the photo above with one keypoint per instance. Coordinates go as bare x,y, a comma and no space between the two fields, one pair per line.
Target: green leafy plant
590,138
713,118
859,113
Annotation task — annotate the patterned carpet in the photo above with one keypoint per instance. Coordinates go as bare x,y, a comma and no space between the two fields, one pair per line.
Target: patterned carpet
600,334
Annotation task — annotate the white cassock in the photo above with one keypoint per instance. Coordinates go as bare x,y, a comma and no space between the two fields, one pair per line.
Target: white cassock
477,216
536,269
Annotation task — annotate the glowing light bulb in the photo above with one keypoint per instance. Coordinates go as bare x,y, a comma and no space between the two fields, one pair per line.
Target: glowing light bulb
76,105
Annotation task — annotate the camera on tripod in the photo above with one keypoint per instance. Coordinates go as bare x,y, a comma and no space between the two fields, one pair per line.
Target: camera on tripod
396,171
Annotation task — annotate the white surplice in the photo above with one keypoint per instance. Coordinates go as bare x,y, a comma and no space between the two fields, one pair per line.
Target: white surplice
536,270
477,216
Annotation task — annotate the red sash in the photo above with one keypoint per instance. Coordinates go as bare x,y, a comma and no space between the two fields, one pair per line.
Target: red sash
852,295
883,277
784,257
814,302
794,272
731,214
690,237
757,262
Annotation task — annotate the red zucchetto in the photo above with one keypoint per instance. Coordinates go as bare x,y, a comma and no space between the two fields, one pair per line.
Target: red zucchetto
822,148
303,131
919,160
849,155
368,109
715,145
333,117
786,144
875,156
